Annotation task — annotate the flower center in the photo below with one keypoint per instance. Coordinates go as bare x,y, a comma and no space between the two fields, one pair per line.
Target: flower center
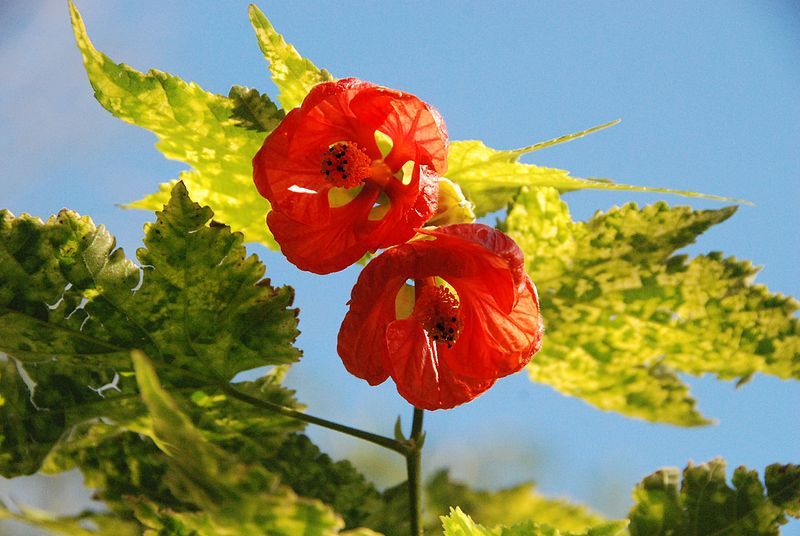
436,308
345,164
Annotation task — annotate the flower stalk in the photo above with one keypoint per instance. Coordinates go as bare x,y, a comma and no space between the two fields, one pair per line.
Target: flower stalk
413,467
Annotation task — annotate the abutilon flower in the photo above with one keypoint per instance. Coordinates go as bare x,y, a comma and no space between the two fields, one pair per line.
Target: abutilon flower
352,170
471,317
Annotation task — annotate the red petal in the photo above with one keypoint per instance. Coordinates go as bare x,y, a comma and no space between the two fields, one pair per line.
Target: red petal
420,374
362,337
496,242
493,342
291,182
330,244
416,128
411,206
502,326
287,172
327,245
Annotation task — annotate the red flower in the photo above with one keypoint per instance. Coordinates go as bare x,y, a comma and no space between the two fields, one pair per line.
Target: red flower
334,195
475,316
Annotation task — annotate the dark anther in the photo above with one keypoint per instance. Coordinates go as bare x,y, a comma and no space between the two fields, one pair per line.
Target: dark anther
451,330
452,319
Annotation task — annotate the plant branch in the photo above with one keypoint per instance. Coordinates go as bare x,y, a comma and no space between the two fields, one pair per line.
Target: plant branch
380,440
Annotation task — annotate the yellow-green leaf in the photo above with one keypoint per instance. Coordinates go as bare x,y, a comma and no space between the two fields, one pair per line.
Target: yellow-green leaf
624,314
457,523
491,177
507,506
293,74
217,136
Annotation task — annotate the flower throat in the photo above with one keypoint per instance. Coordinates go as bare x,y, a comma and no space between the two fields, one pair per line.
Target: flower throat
436,308
345,164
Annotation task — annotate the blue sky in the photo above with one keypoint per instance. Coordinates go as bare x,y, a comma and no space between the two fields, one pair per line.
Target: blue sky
708,96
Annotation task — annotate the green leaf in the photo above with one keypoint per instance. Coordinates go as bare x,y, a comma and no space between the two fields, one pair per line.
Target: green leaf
85,524
72,306
311,473
293,74
491,178
783,487
624,314
704,504
229,497
507,506
119,464
217,136
457,523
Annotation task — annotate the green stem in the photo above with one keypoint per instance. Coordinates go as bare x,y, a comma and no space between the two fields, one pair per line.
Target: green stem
383,441
413,466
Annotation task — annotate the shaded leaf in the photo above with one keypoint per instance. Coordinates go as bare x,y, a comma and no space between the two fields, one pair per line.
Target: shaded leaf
253,110
72,305
705,504
624,313
311,473
229,497
293,74
217,136
783,487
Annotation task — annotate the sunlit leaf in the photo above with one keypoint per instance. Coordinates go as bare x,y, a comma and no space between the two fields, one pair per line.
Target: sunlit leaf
72,306
624,314
85,524
506,506
704,503
457,523
293,74
491,177
216,136
452,206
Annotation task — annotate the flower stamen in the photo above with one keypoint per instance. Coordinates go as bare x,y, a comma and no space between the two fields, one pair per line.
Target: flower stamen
436,308
345,164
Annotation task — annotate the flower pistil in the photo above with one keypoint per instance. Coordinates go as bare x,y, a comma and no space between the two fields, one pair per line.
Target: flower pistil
437,309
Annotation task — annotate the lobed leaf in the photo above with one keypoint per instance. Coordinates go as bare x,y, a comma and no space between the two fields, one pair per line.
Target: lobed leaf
229,497
704,503
72,306
507,506
491,177
293,74
457,523
217,136
84,524
625,314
